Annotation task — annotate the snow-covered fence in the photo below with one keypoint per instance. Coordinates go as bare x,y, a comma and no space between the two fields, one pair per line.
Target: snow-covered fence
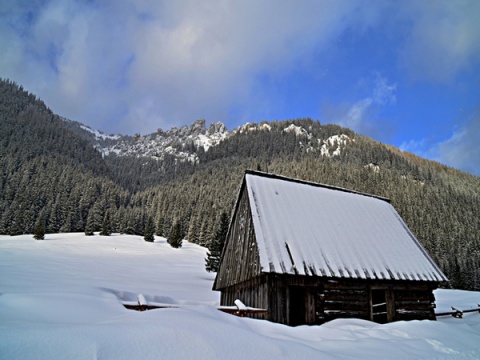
457,313
240,309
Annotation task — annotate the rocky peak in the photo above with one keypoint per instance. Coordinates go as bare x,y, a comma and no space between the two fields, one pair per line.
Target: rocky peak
172,142
198,127
217,128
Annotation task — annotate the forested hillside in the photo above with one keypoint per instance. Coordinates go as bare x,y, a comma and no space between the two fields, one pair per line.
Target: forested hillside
53,174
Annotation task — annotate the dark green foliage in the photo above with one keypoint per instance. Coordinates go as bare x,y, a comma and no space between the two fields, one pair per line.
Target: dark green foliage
39,229
159,227
212,262
148,234
175,236
106,225
90,226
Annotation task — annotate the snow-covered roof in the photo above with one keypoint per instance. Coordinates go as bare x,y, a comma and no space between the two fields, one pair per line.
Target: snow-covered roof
309,229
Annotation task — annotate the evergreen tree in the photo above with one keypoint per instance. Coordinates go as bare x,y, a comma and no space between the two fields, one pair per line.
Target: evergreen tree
159,230
206,232
129,227
192,234
175,237
39,230
148,234
212,262
107,225
90,227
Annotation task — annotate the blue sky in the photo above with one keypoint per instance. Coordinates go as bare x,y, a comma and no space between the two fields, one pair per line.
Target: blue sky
405,73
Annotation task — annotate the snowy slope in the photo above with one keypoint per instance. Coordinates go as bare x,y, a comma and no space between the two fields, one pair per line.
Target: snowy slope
60,299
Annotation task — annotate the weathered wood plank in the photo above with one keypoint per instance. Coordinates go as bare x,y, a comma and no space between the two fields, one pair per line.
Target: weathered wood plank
240,244
335,314
414,295
414,315
346,305
337,285
341,296
414,304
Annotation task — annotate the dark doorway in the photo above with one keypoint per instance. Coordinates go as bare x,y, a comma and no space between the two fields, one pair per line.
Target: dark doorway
297,305
379,306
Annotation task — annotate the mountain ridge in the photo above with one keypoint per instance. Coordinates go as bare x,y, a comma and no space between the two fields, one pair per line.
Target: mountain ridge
183,142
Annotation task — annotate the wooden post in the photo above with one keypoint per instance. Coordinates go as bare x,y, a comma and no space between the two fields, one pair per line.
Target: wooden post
142,302
457,313
390,298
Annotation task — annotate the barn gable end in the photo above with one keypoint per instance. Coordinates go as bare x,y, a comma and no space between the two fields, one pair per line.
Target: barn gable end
240,258
310,253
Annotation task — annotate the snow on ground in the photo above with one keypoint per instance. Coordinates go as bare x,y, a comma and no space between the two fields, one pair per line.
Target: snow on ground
61,299
98,134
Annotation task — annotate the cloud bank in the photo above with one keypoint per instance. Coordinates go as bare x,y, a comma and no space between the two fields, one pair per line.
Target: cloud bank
152,62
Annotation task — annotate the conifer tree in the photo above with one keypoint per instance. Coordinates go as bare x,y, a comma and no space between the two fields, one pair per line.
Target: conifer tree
192,234
212,262
206,233
90,227
39,230
175,236
148,234
159,230
107,225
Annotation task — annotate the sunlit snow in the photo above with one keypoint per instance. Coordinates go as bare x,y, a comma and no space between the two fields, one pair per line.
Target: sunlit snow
297,130
303,228
99,135
61,298
335,142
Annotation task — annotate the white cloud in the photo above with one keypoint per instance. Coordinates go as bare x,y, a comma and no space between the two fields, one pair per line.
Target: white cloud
414,146
208,58
384,93
362,116
462,149
443,38
187,59
357,115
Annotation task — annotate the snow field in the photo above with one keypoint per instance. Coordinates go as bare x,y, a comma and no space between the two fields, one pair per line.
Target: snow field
60,298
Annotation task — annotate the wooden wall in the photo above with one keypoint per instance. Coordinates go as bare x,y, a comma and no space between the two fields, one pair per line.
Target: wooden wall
414,302
240,259
253,293
295,300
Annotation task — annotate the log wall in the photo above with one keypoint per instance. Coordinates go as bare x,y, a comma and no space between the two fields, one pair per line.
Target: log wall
295,300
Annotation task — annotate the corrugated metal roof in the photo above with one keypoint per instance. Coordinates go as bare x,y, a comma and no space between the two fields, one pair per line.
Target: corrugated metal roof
309,229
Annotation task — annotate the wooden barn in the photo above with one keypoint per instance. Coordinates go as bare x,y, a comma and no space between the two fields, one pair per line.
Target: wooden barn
309,253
